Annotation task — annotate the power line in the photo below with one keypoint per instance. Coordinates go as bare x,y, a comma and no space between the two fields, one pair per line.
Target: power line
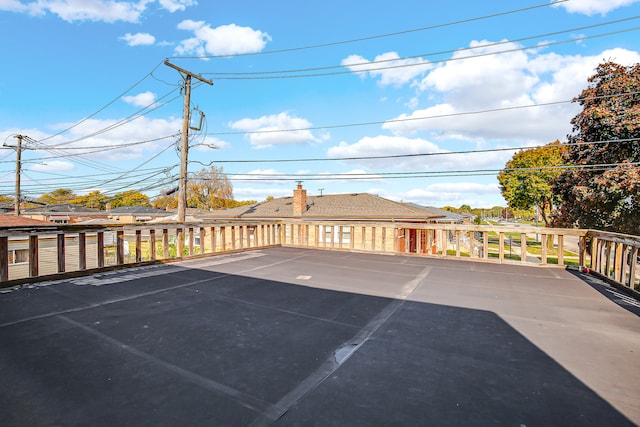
415,174
398,156
408,119
379,36
103,107
222,75
335,73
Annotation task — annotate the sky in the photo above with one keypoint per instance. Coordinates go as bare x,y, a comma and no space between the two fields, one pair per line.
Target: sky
415,101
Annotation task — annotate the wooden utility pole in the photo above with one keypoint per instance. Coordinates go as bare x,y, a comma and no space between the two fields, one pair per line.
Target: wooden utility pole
184,150
18,167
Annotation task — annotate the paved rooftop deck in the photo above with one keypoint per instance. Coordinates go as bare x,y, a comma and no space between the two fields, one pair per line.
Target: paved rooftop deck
300,337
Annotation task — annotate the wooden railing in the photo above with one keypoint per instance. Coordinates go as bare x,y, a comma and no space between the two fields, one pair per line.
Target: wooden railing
28,253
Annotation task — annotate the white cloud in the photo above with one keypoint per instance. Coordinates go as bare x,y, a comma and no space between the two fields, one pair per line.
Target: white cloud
223,40
143,99
270,125
414,150
211,143
349,177
139,39
512,84
95,10
141,129
175,5
260,194
13,6
593,7
388,68
449,194
52,166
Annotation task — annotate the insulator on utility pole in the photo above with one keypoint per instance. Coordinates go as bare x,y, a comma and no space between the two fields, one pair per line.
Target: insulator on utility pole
182,192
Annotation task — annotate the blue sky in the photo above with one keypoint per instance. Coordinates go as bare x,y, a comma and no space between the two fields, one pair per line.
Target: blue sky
302,91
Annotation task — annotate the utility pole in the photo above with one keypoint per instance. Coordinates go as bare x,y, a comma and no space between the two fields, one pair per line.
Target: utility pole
18,167
184,149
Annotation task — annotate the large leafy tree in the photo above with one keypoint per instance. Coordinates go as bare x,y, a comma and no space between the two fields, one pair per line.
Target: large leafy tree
210,189
94,200
130,198
603,192
59,196
527,179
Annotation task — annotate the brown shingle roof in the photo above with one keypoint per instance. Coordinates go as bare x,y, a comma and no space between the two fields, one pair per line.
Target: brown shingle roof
334,206
9,220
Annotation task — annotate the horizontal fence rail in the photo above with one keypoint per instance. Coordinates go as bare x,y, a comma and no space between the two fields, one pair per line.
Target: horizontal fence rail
31,253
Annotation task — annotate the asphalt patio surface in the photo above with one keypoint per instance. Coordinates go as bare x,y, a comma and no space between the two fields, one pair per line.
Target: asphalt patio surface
290,337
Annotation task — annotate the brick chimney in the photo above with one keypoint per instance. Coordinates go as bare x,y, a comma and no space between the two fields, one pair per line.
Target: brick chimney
299,200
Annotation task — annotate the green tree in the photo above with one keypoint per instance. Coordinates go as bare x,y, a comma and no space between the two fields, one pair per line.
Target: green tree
130,198
527,179
56,197
604,191
93,200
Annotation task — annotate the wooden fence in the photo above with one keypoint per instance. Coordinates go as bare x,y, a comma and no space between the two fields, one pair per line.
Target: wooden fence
28,253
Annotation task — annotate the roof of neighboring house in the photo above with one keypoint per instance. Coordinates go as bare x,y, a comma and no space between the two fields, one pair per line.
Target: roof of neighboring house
334,206
62,208
137,210
447,216
10,220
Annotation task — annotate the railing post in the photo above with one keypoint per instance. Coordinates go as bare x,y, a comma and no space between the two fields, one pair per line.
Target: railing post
152,244
501,247
138,245
120,247
383,238
543,243
607,264
203,236
179,242
190,237
82,251
373,239
445,242
223,238
523,247
233,237
632,267
458,243
33,255
594,250
213,238
61,253
582,251
485,245
617,267
561,250
4,258
100,245
165,243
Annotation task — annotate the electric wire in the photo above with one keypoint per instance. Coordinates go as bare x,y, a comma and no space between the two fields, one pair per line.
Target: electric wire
102,108
421,64
222,75
379,36
436,116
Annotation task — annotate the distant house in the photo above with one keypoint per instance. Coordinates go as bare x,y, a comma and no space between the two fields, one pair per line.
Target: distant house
64,213
355,206
334,208
74,214
136,214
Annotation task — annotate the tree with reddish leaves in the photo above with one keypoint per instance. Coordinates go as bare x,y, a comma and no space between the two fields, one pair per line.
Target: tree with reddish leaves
603,191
